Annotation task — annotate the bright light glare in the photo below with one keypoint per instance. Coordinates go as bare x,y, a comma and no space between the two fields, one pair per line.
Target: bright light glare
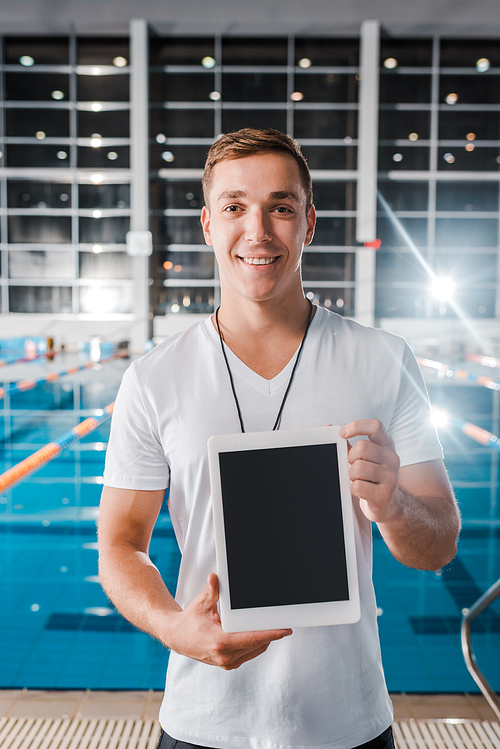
439,417
208,62
442,288
96,178
305,62
27,61
482,65
96,107
390,63
120,62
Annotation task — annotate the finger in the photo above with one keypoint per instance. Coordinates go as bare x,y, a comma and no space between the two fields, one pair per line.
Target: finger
369,491
238,661
249,641
371,428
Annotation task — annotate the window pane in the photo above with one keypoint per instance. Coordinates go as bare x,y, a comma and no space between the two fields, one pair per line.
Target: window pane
44,50
104,196
192,157
254,87
38,155
260,118
105,265
326,87
182,123
402,157
462,53
467,268
330,157
454,125
181,86
390,236
405,196
399,125
113,124
335,196
399,266
35,264
185,265
27,122
103,87
457,158
100,158
195,300
462,232
180,50
106,300
111,230
40,229
406,302
470,89
41,299
323,51
178,230
407,52
405,88
324,266
467,196
96,51
338,300
177,194
330,231
325,124
29,194
36,86
254,51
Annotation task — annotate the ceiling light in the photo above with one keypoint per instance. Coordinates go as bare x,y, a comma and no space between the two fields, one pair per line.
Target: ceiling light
95,142
96,71
470,147
390,63
451,99
413,136
57,95
96,107
97,214
120,62
168,265
449,158
297,96
214,95
208,62
97,179
40,134
168,156
27,61
471,136
397,157
62,155
482,65
305,63
160,138
112,155
97,248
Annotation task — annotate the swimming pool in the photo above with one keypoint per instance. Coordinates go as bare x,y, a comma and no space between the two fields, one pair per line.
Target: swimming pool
58,630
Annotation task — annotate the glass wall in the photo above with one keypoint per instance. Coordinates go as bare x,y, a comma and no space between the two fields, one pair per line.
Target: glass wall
439,157
64,186
201,87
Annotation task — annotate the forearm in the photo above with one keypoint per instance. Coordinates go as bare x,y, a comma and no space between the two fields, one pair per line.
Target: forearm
422,531
135,586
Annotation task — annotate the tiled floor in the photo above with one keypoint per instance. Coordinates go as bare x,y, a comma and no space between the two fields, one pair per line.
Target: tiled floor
20,703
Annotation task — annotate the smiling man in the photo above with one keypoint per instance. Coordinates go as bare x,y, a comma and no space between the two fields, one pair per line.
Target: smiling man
267,359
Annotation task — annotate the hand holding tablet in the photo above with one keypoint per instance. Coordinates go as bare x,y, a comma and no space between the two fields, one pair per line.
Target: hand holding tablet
283,529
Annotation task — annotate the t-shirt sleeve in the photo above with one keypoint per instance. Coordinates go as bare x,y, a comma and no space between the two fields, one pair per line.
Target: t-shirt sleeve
411,427
135,458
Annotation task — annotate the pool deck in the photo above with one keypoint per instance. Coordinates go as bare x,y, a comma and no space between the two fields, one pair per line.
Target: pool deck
105,720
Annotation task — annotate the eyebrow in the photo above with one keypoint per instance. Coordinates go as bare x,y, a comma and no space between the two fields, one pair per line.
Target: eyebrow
278,195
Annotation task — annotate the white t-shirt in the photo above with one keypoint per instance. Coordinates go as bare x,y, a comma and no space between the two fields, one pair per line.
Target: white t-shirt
323,686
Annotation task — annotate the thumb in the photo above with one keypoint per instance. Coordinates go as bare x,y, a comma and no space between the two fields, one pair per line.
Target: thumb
210,595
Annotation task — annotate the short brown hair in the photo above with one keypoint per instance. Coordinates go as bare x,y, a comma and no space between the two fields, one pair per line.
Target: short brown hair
250,141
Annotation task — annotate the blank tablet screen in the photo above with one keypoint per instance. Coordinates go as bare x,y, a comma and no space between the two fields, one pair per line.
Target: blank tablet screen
283,526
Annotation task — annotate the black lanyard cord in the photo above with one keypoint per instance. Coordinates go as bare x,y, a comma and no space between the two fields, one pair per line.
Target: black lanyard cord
297,358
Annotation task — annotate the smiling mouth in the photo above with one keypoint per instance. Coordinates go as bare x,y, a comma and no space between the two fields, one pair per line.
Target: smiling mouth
259,260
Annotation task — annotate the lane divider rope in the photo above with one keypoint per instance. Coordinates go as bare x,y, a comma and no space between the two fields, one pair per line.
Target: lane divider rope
9,362
50,451
443,370
22,385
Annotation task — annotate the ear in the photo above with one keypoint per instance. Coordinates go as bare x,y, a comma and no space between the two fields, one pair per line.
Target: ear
311,225
205,222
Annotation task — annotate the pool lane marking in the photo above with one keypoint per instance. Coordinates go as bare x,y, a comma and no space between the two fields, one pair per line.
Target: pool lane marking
29,384
50,451
443,370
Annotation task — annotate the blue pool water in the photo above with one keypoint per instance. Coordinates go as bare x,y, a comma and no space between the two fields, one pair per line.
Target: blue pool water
58,630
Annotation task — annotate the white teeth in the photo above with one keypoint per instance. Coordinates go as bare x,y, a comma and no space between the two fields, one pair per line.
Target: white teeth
259,260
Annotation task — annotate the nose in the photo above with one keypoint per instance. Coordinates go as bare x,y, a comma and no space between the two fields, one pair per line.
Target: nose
257,228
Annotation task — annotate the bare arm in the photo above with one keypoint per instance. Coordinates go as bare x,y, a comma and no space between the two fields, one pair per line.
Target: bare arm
414,507
135,586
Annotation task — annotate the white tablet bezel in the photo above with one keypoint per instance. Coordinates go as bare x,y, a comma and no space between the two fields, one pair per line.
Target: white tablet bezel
284,616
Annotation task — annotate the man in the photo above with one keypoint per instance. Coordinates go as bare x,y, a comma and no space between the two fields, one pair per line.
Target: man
320,686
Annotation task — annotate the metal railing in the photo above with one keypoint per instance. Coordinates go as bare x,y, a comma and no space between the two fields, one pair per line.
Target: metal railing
470,660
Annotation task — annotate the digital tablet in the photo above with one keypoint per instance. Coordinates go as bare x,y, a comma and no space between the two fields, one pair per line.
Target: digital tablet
284,534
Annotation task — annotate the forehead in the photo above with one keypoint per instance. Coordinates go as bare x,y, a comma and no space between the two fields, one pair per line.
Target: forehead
258,174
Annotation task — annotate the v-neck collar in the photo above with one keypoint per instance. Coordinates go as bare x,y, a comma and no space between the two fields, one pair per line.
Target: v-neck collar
267,386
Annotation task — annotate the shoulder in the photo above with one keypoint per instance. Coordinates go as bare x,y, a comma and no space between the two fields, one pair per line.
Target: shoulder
352,333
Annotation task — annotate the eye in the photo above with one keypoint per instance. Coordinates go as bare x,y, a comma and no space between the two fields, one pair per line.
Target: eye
283,209
232,208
